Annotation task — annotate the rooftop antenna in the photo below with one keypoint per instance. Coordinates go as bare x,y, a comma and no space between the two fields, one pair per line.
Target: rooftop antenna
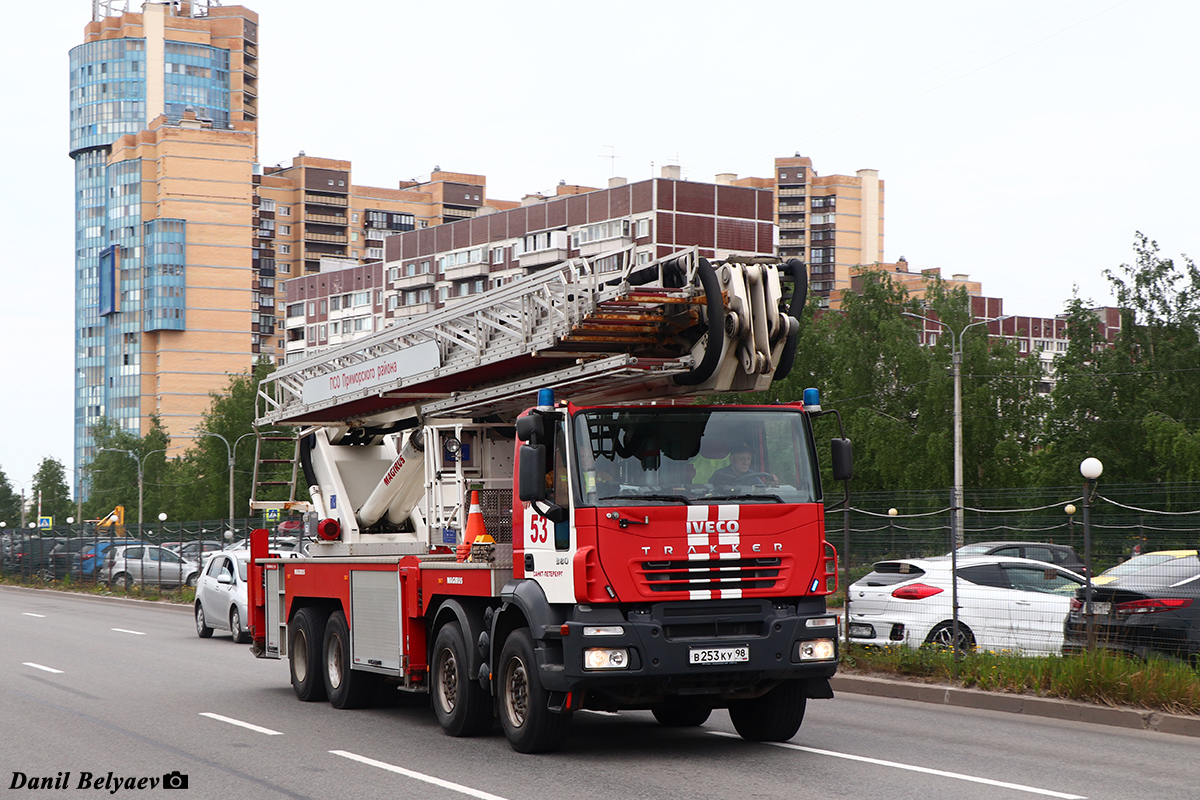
612,159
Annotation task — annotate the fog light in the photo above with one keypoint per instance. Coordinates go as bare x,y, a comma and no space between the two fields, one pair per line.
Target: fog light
822,622
605,658
817,650
603,630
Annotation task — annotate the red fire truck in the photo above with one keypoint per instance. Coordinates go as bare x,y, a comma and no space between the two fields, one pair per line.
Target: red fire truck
643,549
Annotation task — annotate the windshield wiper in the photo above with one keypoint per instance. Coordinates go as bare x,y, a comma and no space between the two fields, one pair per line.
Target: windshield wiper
772,497
666,498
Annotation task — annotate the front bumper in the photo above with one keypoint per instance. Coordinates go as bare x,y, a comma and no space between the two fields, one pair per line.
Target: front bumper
664,642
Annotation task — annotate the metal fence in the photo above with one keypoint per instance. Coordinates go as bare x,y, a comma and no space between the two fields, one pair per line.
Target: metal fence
161,557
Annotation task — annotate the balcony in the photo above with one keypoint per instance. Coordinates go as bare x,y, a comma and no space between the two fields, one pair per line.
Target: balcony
326,199
328,219
542,258
789,225
797,192
331,238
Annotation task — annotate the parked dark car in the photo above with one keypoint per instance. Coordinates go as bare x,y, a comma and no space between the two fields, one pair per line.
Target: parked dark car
44,557
1060,555
1154,611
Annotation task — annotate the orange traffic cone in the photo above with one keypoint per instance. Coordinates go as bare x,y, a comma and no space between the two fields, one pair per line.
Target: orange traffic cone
476,530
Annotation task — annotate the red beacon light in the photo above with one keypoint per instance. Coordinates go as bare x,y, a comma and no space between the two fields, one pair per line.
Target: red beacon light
329,529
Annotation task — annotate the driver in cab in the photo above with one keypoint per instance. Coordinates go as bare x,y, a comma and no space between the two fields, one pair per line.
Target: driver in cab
740,470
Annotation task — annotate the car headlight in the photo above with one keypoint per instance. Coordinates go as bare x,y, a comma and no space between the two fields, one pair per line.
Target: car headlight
606,658
817,650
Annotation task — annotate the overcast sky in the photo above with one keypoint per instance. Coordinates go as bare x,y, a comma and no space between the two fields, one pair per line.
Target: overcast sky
1022,143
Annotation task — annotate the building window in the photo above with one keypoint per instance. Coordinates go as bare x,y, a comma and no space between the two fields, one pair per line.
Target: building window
285,230
354,217
285,249
266,205
497,255
284,211
643,228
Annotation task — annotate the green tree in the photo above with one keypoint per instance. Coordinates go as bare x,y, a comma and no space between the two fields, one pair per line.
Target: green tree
1133,404
231,415
10,503
113,472
55,498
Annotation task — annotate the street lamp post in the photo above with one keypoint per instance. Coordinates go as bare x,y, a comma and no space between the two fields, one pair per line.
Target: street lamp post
956,354
231,452
1091,469
141,474
1070,510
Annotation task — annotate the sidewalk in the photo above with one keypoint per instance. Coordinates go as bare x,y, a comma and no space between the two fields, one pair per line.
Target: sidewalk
1139,719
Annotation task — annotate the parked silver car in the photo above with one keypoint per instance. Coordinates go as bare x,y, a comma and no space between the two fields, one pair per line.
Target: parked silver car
221,595
147,565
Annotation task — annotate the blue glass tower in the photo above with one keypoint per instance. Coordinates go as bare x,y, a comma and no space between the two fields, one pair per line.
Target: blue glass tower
130,273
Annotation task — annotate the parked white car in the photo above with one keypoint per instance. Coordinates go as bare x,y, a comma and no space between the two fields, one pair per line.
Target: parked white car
221,595
147,565
1005,604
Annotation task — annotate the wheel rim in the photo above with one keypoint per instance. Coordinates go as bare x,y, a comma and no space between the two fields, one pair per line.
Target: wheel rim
333,662
516,692
235,624
945,638
300,656
199,619
447,671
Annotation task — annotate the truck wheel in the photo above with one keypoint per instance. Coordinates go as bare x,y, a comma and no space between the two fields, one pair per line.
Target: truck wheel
462,707
305,635
202,629
528,724
346,687
774,717
681,713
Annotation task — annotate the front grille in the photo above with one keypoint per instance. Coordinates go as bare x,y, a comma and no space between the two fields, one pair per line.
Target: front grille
716,575
716,629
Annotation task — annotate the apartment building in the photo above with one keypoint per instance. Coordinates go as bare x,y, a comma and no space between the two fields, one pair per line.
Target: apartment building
425,269
182,236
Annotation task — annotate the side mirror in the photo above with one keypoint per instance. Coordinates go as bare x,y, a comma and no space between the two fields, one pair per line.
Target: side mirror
225,578
530,428
843,459
531,479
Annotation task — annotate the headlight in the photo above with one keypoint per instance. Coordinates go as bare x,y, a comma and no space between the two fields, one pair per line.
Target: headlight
817,650
605,658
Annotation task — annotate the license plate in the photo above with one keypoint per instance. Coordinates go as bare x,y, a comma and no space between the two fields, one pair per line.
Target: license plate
1101,609
718,655
862,630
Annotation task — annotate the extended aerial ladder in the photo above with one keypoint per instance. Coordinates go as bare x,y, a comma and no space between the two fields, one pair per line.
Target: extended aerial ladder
679,325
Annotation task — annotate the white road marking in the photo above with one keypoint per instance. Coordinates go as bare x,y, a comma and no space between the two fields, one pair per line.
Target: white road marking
123,630
31,614
911,768
47,669
455,787
241,724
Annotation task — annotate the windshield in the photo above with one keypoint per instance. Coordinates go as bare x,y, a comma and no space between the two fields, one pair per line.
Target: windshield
688,455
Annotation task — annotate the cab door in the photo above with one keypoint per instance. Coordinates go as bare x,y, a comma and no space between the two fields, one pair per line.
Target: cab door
550,546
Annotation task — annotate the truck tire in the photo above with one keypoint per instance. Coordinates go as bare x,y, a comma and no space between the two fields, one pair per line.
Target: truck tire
681,713
461,705
528,723
346,687
305,635
774,717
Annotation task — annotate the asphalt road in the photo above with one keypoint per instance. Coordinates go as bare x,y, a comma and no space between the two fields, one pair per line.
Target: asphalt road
95,686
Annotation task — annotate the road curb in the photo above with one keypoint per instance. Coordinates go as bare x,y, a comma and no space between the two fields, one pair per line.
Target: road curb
1070,710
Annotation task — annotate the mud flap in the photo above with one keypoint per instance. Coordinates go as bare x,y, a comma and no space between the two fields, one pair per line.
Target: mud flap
818,689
